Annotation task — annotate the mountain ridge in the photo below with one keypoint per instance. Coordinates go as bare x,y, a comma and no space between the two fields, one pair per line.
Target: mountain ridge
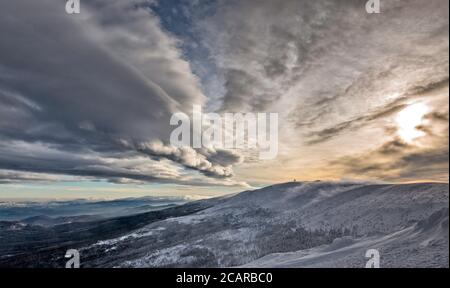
303,219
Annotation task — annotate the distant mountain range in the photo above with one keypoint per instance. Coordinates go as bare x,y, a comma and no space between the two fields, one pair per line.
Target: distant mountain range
101,209
299,224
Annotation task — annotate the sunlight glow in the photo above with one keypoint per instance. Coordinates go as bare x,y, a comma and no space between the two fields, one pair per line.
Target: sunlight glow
409,119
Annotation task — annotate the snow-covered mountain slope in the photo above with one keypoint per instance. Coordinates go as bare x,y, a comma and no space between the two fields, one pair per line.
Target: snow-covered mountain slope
320,224
424,244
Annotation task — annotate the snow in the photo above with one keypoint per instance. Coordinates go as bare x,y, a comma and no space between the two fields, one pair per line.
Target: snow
395,249
311,224
135,235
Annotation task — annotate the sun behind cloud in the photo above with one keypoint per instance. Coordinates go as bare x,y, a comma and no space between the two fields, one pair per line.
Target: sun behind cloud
409,119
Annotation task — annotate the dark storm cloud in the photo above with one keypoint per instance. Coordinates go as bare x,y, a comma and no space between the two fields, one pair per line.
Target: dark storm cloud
14,177
223,157
39,162
75,89
51,62
210,162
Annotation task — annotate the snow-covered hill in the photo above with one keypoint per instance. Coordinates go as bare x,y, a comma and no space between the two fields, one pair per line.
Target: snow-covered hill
424,244
313,224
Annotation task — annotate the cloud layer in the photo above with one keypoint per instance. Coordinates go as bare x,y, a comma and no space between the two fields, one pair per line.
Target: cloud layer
89,96
75,90
337,75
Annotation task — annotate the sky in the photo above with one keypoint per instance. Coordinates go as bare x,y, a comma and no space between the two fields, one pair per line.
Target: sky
86,99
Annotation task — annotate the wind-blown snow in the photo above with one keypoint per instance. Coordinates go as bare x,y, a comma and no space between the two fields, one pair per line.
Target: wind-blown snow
313,224
420,245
